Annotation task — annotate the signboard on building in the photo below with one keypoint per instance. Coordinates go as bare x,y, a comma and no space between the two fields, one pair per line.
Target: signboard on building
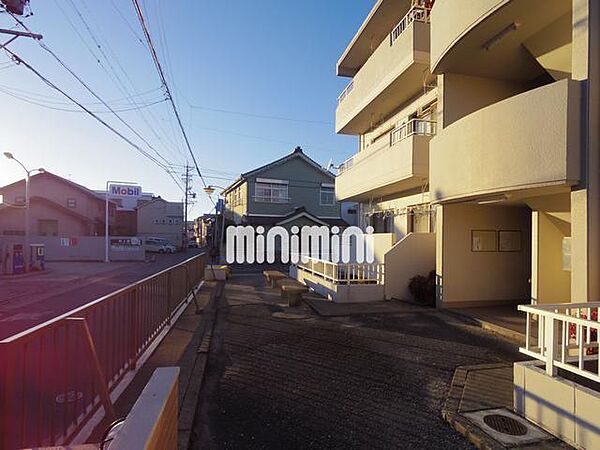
125,244
124,190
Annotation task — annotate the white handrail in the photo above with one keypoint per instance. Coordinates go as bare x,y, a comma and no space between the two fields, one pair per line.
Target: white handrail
417,13
346,92
412,127
345,273
566,337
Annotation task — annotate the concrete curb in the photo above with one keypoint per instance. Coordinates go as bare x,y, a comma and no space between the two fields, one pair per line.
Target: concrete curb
511,335
201,348
477,436
460,423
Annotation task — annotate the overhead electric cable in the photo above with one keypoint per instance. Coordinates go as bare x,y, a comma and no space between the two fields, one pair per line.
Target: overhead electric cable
19,60
163,79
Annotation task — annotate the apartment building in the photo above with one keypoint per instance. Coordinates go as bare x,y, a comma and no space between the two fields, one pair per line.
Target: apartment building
478,127
391,105
515,177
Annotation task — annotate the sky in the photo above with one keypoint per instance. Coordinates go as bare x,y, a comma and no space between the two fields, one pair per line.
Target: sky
251,79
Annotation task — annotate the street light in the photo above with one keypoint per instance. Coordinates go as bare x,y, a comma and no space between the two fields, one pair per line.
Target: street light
28,172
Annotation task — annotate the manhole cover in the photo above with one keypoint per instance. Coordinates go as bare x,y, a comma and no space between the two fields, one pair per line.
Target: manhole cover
505,424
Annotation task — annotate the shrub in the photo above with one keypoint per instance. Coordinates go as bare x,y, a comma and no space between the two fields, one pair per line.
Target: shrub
422,288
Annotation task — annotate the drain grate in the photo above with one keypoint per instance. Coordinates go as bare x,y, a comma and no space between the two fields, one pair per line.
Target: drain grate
505,424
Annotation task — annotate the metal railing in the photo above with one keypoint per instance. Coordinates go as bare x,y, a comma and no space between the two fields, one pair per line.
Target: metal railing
412,127
564,337
346,92
270,199
345,273
57,378
346,165
418,13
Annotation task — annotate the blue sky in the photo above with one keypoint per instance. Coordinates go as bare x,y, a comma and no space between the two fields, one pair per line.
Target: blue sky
263,57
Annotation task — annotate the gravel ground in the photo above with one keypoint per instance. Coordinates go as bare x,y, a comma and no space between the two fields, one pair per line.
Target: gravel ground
376,381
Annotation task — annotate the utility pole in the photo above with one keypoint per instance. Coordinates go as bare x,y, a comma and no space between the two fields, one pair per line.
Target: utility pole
187,179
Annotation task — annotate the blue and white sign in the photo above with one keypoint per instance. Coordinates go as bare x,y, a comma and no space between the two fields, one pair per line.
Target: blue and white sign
124,190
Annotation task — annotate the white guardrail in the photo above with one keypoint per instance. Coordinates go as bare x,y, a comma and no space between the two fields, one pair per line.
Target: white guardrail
341,273
564,337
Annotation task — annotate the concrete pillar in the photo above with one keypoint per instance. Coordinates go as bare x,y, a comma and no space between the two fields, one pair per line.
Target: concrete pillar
549,282
439,255
585,199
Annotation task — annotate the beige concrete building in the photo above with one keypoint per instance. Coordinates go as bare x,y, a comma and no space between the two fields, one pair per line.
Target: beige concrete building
500,147
391,105
515,177
162,219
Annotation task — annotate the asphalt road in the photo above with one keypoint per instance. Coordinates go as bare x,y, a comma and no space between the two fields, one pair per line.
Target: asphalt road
374,381
31,299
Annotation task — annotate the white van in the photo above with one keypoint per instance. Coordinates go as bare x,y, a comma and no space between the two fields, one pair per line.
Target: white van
159,245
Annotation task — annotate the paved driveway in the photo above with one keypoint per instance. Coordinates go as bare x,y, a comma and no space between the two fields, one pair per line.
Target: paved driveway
305,381
30,299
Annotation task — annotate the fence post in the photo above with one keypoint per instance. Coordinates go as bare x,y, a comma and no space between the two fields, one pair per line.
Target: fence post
169,294
133,328
551,344
6,387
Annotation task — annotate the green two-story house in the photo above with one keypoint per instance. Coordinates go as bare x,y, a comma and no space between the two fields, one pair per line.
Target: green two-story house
293,190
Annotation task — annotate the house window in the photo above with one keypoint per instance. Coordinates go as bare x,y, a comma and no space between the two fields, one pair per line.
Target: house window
327,196
72,203
271,192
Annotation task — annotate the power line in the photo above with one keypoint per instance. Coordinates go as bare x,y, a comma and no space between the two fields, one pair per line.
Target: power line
112,72
19,60
163,79
259,116
104,103
58,108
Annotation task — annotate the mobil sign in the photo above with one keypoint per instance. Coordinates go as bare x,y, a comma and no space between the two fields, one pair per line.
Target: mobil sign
124,190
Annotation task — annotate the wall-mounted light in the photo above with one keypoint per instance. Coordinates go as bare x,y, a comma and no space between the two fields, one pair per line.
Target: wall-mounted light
491,200
487,45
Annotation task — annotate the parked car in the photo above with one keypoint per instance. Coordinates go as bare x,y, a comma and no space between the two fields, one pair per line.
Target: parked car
159,245
193,244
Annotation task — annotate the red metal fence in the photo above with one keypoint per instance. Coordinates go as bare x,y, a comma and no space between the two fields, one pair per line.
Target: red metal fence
56,376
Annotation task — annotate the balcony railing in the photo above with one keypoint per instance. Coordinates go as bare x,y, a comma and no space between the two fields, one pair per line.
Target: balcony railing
340,273
346,92
413,126
410,128
268,199
566,337
418,13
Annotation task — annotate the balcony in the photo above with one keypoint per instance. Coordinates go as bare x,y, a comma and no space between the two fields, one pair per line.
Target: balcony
491,38
391,76
399,163
529,140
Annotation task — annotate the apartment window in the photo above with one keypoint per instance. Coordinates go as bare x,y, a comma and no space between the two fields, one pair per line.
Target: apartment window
271,192
72,203
327,196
